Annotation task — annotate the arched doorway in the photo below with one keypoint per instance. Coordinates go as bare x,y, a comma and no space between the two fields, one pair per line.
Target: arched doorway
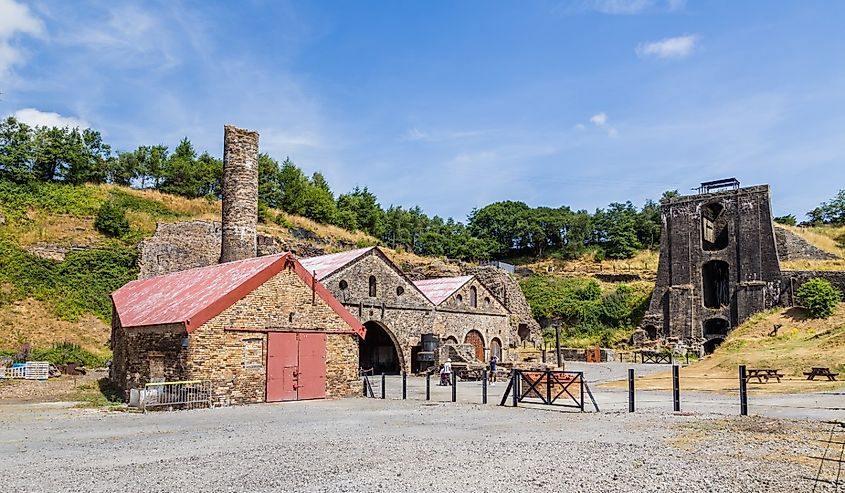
496,348
451,340
716,279
712,344
475,338
379,350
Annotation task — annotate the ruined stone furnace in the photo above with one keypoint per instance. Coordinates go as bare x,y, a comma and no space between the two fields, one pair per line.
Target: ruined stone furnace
719,264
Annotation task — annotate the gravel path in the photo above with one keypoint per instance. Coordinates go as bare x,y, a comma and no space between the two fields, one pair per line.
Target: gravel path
375,445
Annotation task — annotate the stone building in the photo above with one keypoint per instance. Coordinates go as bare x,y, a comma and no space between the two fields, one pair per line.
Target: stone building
259,329
397,312
718,264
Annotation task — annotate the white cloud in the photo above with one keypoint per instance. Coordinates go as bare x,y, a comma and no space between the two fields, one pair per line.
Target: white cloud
678,47
15,19
34,117
599,119
633,7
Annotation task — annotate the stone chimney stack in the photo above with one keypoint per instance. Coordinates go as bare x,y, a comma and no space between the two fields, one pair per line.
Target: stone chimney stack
240,193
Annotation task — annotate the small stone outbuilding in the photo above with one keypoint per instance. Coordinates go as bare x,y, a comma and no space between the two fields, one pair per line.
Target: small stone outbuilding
260,329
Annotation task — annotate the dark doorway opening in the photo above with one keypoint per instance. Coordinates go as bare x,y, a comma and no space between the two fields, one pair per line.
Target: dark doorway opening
715,277
496,348
378,351
651,332
714,227
716,327
711,345
523,332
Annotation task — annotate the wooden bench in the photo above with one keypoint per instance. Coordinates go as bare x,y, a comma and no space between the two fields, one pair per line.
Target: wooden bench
763,374
821,372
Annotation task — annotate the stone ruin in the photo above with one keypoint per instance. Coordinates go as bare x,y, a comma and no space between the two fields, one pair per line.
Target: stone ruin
719,264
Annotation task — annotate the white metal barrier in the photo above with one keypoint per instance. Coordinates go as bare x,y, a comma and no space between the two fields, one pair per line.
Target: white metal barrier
188,393
32,370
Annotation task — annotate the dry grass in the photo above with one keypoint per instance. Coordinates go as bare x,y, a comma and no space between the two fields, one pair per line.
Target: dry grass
327,230
180,205
643,264
834,265
801,344
34,322
58,229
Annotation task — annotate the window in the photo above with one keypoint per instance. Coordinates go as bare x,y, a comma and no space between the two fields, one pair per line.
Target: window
714,227
253,353
460,299
400,291
473,297
487,302
372,286
343,285
715,278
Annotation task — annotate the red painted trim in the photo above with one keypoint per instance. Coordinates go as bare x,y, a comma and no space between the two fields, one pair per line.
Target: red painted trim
237,294
330,300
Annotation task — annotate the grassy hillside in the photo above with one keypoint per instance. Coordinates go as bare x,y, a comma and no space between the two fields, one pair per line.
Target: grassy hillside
44,301
830,239
801,344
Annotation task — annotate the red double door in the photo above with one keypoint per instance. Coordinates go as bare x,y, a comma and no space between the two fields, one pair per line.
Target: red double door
296,366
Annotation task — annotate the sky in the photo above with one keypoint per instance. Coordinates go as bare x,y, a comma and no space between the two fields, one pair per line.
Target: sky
454,105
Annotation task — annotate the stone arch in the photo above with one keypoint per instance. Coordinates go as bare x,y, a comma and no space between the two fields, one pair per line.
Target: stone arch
714,328
710,345
380,350
496,348
451,340
475,338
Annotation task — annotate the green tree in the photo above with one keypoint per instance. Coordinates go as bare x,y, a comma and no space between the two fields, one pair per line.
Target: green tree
359,209
819,297
789,220
617,231
269,187
16,150
111,220
319,203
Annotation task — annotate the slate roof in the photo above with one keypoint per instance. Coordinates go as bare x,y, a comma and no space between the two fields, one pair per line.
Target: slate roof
325,265
195,296
437,290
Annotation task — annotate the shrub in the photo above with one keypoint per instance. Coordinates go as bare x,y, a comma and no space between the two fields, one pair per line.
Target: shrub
111,220
67,352
819,297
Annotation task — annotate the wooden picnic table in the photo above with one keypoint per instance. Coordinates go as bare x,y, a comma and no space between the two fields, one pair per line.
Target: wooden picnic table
763,374
820,371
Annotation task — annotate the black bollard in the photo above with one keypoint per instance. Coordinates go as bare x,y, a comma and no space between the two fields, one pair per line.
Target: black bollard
382,385
454,386
743,392
428,386
404,385
514,380
365,385
676,389
484,387
631,407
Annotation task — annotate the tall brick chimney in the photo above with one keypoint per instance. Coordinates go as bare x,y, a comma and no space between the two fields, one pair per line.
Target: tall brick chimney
240,193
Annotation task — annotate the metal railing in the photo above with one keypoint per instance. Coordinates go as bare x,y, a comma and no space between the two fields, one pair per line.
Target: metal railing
32,370
188,393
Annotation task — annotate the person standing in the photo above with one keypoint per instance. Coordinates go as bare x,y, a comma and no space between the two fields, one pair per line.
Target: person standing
493,362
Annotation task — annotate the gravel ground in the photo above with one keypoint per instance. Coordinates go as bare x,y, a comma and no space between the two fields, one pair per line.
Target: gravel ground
393,445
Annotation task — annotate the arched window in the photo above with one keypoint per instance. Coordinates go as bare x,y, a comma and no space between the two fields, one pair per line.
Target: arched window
487,302
343,285
400,291
473,297
372,286
460,299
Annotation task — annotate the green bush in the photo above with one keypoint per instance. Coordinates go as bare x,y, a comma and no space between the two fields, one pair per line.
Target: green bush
819,297
111,220
67,352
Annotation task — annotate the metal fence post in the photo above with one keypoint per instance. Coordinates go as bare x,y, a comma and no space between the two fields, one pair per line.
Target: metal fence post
404,385
548,387
428,386
365,385
581,377
514,378
676,389
382,385
484,387
631,406
743,392
454,386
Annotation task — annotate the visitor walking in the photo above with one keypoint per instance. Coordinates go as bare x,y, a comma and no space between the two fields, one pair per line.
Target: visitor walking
493,362
446,372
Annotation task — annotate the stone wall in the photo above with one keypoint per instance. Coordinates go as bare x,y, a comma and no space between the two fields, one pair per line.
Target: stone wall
240,194
793,279
147,354
723,235
793,247
505,287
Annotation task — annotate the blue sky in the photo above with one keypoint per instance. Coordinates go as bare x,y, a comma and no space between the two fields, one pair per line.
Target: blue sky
453,105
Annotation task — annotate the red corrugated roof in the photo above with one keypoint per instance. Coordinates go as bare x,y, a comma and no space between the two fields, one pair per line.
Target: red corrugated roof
195,296
437,290
325,265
